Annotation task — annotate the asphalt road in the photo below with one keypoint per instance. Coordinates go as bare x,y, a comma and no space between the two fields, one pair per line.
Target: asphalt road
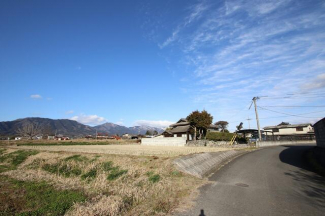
271,181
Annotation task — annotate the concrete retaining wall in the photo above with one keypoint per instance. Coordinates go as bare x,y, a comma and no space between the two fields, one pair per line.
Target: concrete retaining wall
278,143
164,141
208,143
203,164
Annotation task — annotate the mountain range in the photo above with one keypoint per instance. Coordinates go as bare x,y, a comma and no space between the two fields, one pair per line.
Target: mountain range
71,128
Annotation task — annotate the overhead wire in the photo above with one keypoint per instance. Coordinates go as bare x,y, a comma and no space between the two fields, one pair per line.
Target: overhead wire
292,114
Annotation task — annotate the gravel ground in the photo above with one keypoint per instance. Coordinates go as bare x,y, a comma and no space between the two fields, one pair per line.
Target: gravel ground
127,149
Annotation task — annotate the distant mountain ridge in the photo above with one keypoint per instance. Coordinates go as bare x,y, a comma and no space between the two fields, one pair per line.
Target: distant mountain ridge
118,129
72,128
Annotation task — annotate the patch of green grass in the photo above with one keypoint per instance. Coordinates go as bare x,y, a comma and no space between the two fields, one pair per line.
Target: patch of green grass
2,151
176,174
17,157
95,158
108,166
67,171
91,174
153,177
78,158
52,168
5,168
63,170
43,199
115,173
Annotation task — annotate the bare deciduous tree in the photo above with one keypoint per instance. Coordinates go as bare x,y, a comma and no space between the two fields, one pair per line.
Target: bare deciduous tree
29,130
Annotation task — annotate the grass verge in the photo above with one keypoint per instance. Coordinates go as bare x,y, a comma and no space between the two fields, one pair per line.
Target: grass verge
14,159
35,198
117,184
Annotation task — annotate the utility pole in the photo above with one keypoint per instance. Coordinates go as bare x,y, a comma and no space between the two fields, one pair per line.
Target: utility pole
257,120
96,134
249,125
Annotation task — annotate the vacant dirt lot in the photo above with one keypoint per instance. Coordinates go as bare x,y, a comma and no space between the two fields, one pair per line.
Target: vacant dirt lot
137,150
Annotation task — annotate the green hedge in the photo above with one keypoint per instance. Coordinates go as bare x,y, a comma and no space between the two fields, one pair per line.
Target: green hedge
219,136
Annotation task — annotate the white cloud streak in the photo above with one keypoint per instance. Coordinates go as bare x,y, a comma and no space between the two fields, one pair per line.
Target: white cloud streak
242,49
69,112
158,124
36,96
89,119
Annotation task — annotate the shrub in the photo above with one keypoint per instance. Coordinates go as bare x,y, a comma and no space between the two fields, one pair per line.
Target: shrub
219,136
242,140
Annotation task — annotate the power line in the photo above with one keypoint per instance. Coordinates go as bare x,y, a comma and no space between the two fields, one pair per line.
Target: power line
291,114
293,106
293,97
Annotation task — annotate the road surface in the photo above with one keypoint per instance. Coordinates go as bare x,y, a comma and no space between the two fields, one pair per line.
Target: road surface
271,181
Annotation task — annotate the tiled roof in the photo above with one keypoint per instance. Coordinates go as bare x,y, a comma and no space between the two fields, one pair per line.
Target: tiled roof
287,126
181,129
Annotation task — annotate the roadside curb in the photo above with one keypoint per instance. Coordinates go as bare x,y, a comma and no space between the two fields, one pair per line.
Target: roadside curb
201,165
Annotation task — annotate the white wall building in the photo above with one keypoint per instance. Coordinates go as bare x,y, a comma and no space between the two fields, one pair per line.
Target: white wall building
296,129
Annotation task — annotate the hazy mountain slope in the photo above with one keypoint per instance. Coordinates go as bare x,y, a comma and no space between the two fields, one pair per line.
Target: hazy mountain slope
71,128
52,126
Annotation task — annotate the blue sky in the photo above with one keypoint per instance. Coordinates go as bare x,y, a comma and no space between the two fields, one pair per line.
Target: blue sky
153,62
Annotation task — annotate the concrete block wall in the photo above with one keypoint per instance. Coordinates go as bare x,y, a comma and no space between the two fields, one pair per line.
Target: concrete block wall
319,128
165,141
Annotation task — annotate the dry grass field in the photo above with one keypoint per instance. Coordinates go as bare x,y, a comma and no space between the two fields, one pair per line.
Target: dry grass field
137,150
69,142
124,180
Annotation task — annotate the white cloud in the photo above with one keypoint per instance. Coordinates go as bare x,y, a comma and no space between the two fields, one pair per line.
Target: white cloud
36,96
195,13
159,124
89,119
171,39
69,112
241,49
317,83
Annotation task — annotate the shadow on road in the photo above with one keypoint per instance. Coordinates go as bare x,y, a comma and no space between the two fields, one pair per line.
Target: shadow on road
202,213
312,183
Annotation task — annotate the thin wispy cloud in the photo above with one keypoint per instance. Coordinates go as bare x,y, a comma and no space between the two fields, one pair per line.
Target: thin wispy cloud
195,13
240,49
69,112
36,96
317,83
